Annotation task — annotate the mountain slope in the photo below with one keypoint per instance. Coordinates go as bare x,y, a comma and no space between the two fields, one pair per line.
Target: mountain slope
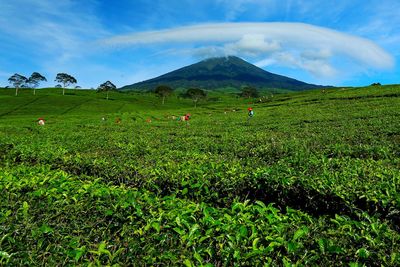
221,72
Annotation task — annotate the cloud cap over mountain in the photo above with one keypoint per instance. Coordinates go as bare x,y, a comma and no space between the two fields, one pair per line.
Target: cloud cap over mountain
300,45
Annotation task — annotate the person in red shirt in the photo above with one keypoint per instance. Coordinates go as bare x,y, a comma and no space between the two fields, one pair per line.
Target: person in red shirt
185,118
40,121
251,113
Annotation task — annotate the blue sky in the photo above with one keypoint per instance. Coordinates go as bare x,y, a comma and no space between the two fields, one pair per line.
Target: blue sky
341,42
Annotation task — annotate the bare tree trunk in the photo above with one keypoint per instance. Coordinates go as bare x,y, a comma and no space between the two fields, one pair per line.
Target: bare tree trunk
64,87
16,91
163,100
34,91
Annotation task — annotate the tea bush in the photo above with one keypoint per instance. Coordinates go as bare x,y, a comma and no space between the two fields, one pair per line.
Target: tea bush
312,179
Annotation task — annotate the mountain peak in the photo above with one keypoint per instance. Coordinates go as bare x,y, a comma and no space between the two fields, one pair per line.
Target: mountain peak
219,72
224,60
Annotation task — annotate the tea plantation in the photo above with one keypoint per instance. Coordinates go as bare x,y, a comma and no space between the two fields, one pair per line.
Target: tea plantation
312,179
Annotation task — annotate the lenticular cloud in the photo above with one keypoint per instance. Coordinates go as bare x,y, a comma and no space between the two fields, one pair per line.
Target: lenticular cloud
307,44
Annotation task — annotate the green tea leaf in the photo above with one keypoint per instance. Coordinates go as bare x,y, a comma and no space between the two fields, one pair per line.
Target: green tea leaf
156,226
79,252
45,229
198,257
322,243
300,233
292,246
363,253
4,255
255,242
185,191
187,263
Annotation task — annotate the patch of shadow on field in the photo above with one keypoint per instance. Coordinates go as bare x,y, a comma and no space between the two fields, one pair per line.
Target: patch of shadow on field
4,150
74,107
299,197
18,107
317,204
309,101
388,212
114,177
295,196
275,105
364,97
394,137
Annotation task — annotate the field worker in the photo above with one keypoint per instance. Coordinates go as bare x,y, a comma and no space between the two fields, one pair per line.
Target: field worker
40,121
251,112
185,118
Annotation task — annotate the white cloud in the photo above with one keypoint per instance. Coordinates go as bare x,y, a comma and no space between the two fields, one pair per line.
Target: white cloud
51,27
299,45
252,44
265,62
318,67
53,36
317,54
208,51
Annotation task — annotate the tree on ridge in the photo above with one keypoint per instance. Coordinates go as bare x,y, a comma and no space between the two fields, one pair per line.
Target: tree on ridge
65,79
249,92
35,80
196,94
163,91
106,87
17,81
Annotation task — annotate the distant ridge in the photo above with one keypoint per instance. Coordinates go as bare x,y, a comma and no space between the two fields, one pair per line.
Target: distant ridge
221,72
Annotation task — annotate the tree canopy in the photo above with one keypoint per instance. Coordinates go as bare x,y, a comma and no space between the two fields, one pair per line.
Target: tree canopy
106,87
249,92
17,81
35,80
65,79
196,94
163,91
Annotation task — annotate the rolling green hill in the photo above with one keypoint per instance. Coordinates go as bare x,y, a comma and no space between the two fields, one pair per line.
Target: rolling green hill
51,102
311,180
215,73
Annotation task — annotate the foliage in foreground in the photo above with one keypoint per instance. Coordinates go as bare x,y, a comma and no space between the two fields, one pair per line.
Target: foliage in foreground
311,180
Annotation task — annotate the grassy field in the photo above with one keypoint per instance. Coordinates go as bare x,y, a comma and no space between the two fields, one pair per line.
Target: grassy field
312,179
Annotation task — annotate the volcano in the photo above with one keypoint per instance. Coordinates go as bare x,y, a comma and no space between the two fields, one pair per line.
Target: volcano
221,72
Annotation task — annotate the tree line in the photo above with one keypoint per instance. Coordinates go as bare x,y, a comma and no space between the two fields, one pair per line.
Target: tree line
19,81
163,91
197,94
